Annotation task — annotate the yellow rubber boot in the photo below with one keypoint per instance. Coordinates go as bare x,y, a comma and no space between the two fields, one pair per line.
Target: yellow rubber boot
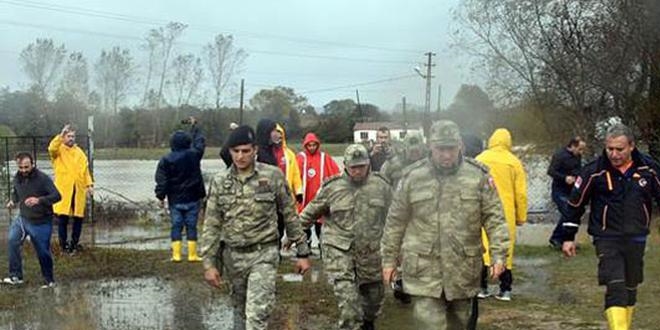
630,310
192,252
617,318
176,251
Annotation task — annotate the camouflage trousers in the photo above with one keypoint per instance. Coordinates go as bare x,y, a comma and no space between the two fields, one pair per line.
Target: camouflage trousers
440,314
357,286
251,277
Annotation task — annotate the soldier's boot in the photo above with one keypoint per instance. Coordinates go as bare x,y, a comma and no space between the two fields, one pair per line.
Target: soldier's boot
629,311
368,325
617,318
176,251
192,252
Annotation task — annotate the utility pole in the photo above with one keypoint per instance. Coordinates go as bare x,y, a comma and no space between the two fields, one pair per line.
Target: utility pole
427,103
405,116
439,97
240,116
357,96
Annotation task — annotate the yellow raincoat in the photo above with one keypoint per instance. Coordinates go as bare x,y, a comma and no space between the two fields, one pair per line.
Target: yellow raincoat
511,183
71,175
292,170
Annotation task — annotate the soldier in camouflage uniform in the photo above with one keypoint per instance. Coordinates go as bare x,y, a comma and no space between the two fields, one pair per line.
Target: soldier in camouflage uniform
434,224
354,206
240,238
413,149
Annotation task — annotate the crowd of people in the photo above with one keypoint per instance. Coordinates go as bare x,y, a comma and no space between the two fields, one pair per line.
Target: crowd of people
433,218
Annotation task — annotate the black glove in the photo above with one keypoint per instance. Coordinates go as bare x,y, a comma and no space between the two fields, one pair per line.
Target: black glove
299,198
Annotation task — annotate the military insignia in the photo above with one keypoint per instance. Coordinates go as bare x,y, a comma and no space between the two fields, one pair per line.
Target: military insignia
227,184
642,182
311,173
578,182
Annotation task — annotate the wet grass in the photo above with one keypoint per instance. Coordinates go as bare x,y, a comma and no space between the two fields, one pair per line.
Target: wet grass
550,292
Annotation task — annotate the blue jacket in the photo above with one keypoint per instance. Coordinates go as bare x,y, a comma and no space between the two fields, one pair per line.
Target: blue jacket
179,173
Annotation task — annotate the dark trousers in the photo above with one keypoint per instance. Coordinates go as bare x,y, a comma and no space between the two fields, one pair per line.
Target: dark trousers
506,279
620,270
76,230
561,200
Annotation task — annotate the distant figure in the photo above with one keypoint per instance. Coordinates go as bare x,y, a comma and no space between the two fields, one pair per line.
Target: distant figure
473,145
620,186
511,182
564,169
381,151
179,180
316,166
34,193
74,182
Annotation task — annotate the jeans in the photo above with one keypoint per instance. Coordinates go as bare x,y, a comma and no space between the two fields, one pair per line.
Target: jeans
76,230
561,200
184,214
40,237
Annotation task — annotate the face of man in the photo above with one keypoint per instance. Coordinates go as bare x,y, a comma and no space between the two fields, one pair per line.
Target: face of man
445,156
275,136
358,173
414,154
70,138
619,150
312,147
382,138
243,156
579,149
25,166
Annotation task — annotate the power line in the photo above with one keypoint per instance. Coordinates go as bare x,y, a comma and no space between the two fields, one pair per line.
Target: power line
150,21
380,81
254,51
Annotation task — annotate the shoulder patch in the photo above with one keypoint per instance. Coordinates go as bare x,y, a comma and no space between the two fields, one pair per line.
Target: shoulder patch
476,163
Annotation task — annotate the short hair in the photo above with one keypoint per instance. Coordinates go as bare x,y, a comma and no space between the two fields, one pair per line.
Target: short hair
619,129
24,154
574,141
384,129
73,128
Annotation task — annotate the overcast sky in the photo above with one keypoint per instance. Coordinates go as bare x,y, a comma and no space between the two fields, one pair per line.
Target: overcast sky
320,48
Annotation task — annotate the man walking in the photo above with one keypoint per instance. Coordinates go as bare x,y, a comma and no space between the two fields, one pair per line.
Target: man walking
620,185
354,206
179,179
240,238
74,182
434,224
34,193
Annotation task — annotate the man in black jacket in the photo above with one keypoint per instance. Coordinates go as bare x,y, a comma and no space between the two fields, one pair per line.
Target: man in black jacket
564,169
179,179
620,186
34,193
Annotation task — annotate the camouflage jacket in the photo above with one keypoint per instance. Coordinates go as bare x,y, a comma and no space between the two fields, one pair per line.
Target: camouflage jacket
354,214
393,169
242,213
435,224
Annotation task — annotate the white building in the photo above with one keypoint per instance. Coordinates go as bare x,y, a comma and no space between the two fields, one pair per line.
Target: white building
367,131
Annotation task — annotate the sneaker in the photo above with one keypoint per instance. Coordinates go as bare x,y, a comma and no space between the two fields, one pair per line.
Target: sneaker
12,280
483,294
503,296
49,285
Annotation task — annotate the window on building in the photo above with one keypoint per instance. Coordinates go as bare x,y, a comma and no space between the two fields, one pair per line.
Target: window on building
402,135
364,135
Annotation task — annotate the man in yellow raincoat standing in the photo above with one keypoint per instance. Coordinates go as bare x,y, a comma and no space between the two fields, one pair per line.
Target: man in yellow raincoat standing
74,182
510,181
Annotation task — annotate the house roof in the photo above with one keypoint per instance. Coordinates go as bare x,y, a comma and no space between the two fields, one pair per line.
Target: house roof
375,125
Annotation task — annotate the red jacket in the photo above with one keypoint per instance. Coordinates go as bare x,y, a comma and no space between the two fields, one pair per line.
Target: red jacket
314,169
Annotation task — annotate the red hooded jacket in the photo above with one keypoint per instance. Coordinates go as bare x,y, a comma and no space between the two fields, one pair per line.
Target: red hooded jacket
314,169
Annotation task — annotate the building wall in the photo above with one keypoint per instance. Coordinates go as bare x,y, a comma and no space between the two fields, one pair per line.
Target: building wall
371,134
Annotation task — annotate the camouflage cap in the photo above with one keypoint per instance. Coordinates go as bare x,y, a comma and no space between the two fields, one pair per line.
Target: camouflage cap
413,139
356,154
446,133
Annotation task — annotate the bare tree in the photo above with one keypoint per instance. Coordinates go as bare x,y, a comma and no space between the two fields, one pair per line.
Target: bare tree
186,78
41,61
75,80
224,61
151,46
165,37
114,71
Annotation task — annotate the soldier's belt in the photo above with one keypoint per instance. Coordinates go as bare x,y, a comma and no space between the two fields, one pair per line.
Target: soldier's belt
253,247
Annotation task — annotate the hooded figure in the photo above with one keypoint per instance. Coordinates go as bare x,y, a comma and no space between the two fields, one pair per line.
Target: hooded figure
510,179
278,154
316,166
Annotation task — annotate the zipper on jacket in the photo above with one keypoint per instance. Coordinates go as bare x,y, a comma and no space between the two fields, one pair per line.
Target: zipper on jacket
604,220
646,213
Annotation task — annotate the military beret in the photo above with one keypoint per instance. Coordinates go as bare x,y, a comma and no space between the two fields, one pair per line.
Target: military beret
241,135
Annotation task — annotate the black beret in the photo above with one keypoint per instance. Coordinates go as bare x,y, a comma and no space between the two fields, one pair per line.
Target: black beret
243,134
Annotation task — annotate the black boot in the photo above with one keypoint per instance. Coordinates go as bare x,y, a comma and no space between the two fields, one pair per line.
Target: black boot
368,325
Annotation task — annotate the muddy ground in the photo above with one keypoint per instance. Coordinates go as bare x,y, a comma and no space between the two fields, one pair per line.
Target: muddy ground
119,288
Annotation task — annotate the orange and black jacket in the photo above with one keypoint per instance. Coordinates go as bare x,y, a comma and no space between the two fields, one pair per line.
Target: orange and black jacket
620,203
